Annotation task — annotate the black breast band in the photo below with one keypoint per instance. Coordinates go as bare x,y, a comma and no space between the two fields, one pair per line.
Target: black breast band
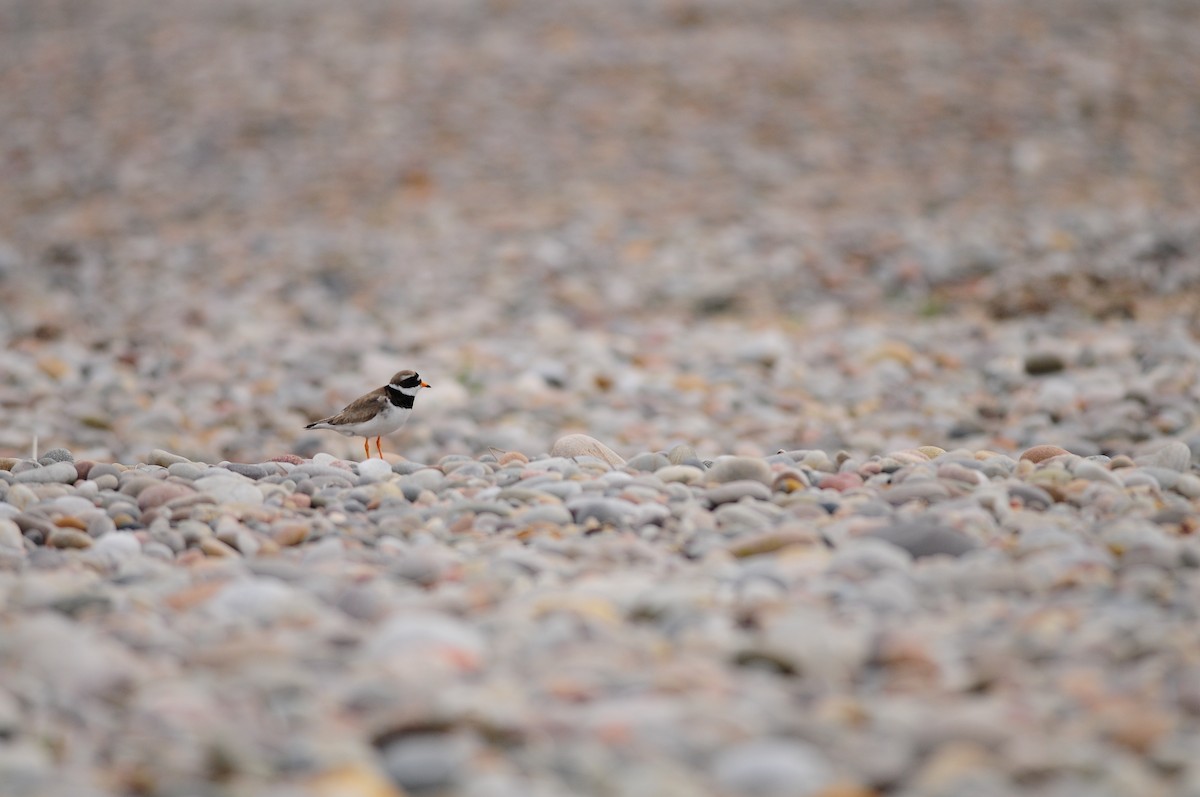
399,398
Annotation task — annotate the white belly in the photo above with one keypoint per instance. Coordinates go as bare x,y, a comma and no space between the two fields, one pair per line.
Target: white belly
386,422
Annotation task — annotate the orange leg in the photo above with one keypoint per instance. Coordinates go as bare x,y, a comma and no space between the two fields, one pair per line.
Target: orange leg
378,448
367,447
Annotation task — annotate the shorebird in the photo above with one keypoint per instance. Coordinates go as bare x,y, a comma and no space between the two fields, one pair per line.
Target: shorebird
382,411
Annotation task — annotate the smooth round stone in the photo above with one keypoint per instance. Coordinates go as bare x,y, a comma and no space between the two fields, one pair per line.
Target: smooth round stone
69,538
425,762
611,511
1041,453
740,519
105,482
650,461
1188,485
736,491
160,493
426,479
729,469
10,535
1175,456
557,514
375,470
120,544
165,458
925,538
562,490
54,473
309,470
685,474
249,470
186,470
1167,478
772,768
74,505
21,497
100,526
1095,472
926,490
230,489
259,600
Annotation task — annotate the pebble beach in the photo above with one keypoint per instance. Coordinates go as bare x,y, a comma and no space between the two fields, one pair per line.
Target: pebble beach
815,402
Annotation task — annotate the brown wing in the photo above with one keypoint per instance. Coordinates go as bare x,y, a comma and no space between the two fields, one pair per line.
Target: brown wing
359,410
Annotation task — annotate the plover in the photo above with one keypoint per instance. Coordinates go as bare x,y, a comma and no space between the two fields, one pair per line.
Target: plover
380,412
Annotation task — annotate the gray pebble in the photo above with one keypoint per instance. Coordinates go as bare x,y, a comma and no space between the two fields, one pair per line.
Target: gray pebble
925,538
54,473
423,762
772,768
56,455
249,470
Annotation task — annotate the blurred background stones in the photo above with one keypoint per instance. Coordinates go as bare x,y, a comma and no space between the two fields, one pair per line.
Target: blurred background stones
740,226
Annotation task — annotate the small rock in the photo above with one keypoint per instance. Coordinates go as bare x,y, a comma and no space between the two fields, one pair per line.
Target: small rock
581,445
54,473
736,491
1038,363
612,511
686,474
648,462
422,762
160,493
728,469
57,455
249,470
1043,452
681,453
69,538
10,535
374,470
1173,456
925,538
165,458
772,768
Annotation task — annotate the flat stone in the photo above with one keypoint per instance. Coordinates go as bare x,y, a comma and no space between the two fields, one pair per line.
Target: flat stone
164,458
55,473
247,469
